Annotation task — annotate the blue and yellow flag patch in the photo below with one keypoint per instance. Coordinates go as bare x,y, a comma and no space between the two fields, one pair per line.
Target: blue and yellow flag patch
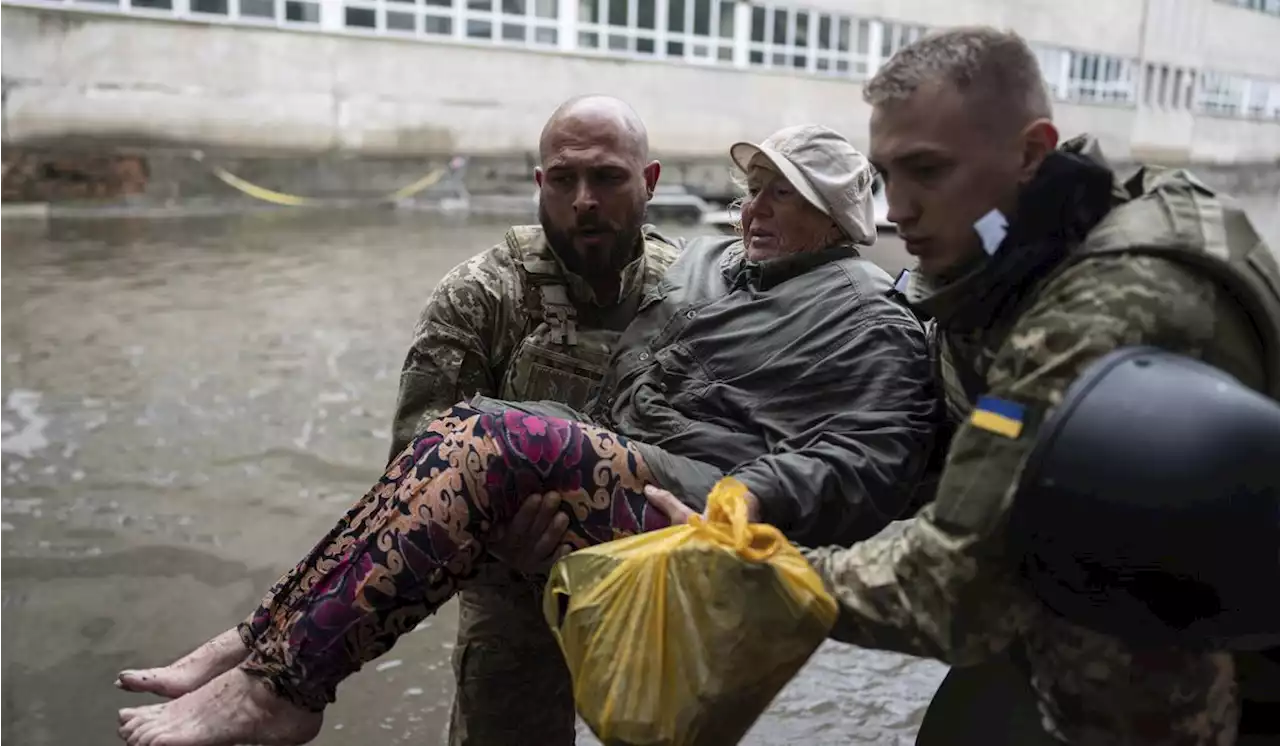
999,416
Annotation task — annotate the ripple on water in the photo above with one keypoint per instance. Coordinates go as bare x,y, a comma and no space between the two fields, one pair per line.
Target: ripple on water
26,436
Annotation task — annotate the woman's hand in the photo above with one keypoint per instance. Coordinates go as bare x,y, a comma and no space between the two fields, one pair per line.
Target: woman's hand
679,513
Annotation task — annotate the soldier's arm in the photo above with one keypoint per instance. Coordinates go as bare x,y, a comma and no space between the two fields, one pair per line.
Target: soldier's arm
451,356
938,585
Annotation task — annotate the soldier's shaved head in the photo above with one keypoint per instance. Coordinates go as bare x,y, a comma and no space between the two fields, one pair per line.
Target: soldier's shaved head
603,117
595,183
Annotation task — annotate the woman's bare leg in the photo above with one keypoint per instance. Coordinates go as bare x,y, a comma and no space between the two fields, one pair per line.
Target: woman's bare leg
394,559
190,672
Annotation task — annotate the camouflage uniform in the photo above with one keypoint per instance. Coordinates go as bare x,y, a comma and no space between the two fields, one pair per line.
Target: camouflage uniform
513,323
1163,264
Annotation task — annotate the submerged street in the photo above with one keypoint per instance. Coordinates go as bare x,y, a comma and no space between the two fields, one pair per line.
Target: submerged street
189,403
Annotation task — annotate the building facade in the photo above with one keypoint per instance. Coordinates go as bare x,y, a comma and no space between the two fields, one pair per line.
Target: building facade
1176,80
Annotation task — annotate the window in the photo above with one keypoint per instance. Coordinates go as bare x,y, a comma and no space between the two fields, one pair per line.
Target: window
1236,95
614,25
511,21
696,30
437,18
832,45
355,16
863,48
1097,78
797,39
895,36
779,38
295,12
500,21
371,15
701,30
212,7
1272,110
1188,93
1221,94
1255,99
824,43
298,11
1055,67
1271,7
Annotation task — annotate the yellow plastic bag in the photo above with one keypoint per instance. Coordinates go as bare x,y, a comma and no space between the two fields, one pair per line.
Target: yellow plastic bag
683,636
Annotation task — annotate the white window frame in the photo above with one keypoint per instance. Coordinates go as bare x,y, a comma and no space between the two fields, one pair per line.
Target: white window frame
778,55
460,15
1238,96
1096,78
837,58
1270,7
1221,94
702,49
897,34
529,22
623,36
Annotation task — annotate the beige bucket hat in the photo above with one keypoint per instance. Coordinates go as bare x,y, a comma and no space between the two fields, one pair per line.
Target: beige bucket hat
825,169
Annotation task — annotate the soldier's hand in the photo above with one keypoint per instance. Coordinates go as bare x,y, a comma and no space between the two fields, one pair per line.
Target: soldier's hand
531,542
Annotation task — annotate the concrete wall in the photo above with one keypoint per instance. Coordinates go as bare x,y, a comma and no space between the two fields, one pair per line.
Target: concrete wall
1113,26
1223,140
1176,31
233,86
130,79
1239,40
1210,35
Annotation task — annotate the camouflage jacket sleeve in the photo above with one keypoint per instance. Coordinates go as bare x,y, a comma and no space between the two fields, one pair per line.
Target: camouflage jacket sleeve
937,585
451,357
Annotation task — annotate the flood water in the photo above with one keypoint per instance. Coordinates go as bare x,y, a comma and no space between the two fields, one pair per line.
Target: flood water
188,403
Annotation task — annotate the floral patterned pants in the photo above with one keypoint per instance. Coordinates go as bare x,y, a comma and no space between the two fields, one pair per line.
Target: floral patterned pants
408,545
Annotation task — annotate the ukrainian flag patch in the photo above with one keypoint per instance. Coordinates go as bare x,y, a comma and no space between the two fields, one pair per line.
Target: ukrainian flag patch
999,416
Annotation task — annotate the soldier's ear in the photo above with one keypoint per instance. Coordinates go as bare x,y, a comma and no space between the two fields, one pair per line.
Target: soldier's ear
1039,139
651,173
538,176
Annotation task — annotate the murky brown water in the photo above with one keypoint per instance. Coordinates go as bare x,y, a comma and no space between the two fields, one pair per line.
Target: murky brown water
188,403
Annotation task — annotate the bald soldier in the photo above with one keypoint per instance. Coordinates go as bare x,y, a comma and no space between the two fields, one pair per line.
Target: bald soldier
534,318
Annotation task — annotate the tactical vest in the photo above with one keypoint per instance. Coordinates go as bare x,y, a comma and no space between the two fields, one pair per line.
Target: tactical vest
561,359
1178,217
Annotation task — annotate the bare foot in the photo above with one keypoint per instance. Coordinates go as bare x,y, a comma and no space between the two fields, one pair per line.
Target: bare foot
189,673
234,708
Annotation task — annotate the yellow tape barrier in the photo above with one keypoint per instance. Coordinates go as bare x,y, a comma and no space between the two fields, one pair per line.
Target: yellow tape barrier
293,200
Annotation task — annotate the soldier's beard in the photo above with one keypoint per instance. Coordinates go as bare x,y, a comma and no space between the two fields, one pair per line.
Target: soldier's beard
602,266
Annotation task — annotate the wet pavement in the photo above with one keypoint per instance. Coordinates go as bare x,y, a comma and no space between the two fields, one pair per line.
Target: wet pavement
188,403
